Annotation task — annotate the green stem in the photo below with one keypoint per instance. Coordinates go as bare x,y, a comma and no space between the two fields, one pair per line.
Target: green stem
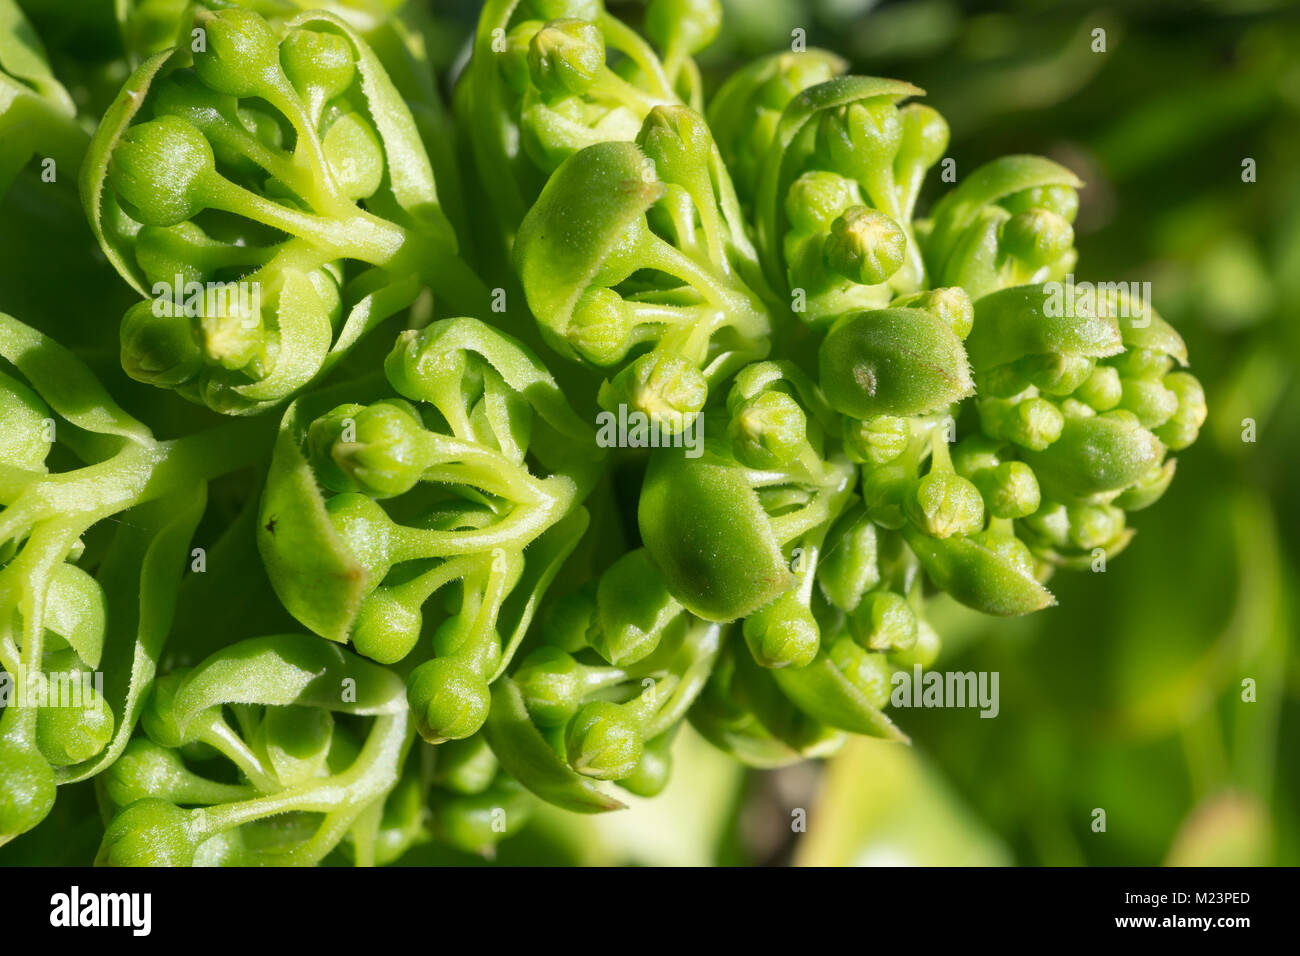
628,42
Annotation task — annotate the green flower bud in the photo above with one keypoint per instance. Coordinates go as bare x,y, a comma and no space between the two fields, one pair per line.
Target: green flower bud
1065,534
925,136
241,56
783,634
1095,456
478,822
1185,424
218,117
893,361
29,789
1002,381
448,699
600,327
75,610
653,771
565,57
365,529
869,673
232,340
569,623
1102,390
634,607
322,435
1033,423
1010,490
1094,526
297,741
817,198
976,453
1073,408
1060,200
884,621
1037,237
1148,489
465,766
265,128
318,64
158,171
1050,525
849,565
1150,401
184,250
862,137
678,141
556,129
1139,363
159,350
667,388
354,154
924,650
693,24
149,832
1056,374
553,685
158,717
944,504
604,741
952,304
70,733
374,449
988,571
768,430
865,246
587,228
878,440
386,629
885,492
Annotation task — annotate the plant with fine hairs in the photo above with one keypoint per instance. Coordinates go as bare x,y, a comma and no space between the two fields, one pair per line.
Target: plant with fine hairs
473,608
601,699
482,465
836,168
642,244
550,77
306,783
279,162
65,614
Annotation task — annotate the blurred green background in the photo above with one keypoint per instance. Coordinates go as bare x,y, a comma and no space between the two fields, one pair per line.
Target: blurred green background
1127,697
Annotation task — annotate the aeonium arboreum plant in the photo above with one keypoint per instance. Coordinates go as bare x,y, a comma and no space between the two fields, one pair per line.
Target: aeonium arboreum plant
467,487
266,190
306,783
474,608
636,257
81,634
551,77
